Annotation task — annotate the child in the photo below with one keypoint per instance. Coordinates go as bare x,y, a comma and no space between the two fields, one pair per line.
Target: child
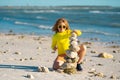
60,42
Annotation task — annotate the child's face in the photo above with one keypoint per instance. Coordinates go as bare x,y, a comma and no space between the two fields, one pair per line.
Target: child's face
61,27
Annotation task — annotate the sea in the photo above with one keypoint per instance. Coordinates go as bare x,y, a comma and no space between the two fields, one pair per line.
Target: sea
95,22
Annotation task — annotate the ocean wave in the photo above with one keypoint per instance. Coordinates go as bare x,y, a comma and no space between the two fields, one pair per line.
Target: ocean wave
40,17
40,11
44,27
32,24
8,19
100,32
23,23
103,12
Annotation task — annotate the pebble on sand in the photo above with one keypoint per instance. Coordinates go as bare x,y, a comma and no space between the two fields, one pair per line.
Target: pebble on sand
19,53
30,76
105,55
43,69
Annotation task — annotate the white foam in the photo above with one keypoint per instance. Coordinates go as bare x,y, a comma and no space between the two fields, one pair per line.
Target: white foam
101,32
103,12
40,11
18,22
34,25
44,27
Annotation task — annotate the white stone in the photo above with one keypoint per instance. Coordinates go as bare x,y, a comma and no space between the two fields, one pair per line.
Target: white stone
74,48
43,69
74,35
30,76
73,39
71,54
74,43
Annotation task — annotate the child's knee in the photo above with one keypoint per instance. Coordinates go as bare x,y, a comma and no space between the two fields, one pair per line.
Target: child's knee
57,64
83,47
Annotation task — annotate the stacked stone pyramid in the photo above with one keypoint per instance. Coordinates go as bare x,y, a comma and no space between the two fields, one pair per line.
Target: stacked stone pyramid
71,55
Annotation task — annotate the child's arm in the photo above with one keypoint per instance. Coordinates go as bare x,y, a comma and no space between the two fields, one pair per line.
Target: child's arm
78,32
53,46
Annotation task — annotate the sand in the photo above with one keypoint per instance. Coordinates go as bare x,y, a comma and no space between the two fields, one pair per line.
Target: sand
20,55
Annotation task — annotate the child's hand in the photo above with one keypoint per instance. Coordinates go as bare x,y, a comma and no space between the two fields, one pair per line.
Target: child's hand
54,49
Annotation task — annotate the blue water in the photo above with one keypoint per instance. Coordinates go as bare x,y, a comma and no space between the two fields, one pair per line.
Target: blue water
95,22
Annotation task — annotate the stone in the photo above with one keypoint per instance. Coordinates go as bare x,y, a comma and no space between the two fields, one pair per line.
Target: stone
71,58
73,39
105,55
70,70
114,51
99,74
21,59
71,54
30,76
113,77
74,48
39,48
68,65
31,58
93,51
74,43
60,70
74,35
43,69
19,53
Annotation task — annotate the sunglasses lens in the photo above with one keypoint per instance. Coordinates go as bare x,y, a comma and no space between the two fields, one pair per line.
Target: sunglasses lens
61,27
64,27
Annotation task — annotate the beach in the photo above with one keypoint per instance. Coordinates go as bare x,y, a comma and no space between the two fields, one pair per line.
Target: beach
21,55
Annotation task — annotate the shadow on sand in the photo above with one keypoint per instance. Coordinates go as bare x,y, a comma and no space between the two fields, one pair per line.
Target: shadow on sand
22,67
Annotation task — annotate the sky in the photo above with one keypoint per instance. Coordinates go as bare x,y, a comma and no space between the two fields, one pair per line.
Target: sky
115,3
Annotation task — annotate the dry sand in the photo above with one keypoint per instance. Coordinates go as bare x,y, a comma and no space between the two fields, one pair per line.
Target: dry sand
20,55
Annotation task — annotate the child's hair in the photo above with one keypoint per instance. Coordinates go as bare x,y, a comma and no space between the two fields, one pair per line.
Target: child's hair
60,20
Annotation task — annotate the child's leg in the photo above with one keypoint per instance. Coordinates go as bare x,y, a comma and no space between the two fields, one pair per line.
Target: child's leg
58,62
81,53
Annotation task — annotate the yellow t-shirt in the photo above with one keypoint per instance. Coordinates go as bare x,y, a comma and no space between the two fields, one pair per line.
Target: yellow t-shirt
61,40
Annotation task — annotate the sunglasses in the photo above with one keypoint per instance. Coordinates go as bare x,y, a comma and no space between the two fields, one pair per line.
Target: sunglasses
62,26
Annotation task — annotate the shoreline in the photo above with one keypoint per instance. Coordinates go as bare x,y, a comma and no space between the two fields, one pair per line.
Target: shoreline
22,54
94,39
